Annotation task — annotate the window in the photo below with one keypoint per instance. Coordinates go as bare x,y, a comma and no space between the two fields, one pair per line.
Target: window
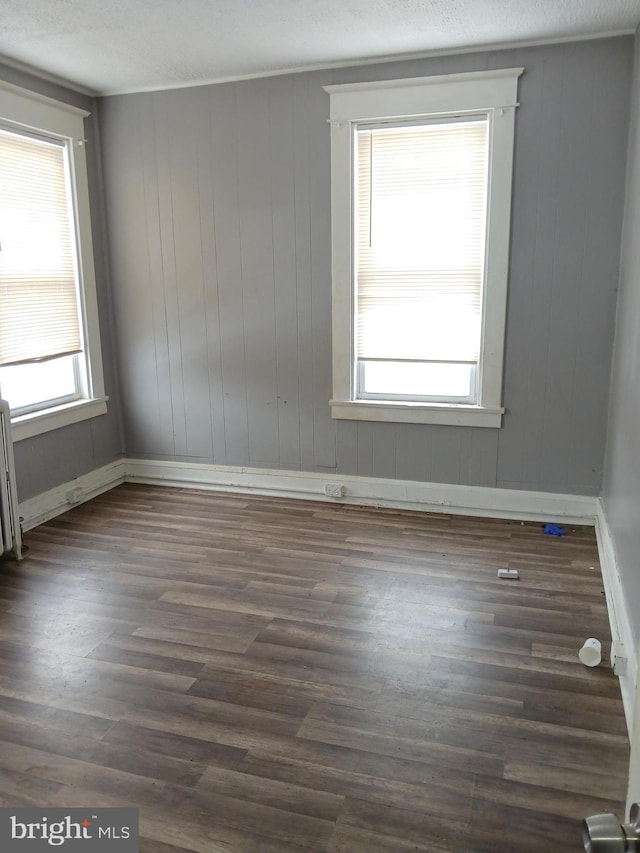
421,196
50,363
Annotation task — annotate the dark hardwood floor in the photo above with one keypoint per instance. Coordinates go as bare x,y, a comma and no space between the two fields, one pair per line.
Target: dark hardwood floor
268,675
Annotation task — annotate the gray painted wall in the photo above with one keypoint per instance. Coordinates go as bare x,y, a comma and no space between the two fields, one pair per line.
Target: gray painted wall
56,457
621,491
218,212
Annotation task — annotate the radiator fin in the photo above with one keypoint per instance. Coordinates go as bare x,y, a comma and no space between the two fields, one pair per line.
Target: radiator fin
10,534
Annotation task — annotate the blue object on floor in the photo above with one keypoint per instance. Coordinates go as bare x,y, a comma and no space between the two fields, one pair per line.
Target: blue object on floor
554,530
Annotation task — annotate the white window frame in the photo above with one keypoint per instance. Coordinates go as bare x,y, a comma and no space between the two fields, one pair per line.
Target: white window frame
490,93
21,109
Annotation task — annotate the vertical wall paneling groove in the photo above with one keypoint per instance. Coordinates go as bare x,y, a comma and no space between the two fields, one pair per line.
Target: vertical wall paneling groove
413,453
445,454
283,230
223,306
224,164
192,333
384,451
302,166
213,397
256,240
365,449
144,391
346,445
324,434
168,140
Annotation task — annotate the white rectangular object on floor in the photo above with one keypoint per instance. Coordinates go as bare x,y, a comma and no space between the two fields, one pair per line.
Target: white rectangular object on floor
509,574
10,535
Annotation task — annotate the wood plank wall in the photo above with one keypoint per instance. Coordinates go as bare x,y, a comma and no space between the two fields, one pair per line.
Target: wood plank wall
218,211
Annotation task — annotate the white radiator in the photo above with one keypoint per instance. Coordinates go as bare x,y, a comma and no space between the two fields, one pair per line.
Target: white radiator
10,535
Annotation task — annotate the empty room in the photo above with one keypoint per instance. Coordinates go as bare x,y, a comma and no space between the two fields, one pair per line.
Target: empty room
319,426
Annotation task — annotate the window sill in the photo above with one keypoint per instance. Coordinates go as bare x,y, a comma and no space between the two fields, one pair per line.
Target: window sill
35,423
417,413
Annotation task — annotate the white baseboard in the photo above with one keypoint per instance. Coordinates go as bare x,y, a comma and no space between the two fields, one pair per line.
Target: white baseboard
43,507
621,631
366,491
369,491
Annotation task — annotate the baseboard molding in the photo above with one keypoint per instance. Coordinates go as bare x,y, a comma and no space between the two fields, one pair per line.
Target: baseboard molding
619,620
368,491
49,504
365,491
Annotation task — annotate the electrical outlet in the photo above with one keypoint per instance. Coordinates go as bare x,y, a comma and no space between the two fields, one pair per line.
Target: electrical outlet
618,658
334,490
74,496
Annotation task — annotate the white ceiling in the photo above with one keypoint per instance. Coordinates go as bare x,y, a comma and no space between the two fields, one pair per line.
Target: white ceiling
112,46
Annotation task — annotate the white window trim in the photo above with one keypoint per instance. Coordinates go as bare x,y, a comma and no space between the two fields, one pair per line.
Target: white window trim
22,109
35,423
490,92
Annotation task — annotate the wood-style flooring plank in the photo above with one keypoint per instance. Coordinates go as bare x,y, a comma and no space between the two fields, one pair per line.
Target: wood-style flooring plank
265,675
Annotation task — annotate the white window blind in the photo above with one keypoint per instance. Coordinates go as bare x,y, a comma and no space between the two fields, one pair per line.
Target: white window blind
421,206
38,283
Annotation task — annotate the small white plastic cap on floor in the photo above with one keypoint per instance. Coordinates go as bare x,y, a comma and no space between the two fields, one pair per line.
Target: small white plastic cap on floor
591,653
